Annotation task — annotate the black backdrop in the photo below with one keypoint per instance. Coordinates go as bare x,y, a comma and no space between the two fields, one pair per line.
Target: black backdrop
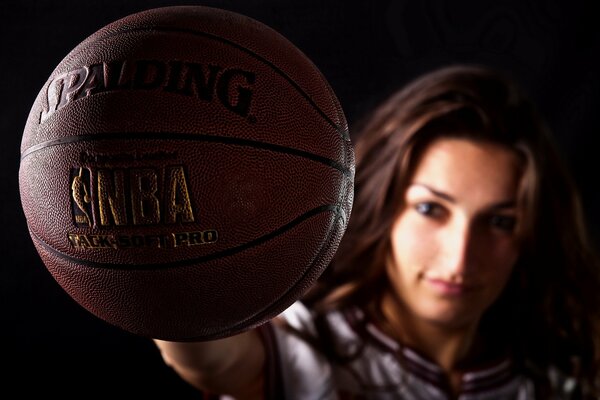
51,346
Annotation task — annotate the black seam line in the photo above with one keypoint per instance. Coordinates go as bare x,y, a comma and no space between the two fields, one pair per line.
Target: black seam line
269,309
191,137
184,263
343,132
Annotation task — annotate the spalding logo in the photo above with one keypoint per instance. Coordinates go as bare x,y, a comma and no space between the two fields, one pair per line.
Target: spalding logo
233,87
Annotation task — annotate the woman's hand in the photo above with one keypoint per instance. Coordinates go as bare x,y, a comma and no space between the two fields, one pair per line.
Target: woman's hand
233,365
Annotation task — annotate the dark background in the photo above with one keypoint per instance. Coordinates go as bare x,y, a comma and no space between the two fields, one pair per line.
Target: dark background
366,49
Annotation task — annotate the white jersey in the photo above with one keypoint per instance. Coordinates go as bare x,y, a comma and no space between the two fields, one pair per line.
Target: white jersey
374,367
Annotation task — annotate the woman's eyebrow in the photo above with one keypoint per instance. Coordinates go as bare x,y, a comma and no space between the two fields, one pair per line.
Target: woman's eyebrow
504,204
436,192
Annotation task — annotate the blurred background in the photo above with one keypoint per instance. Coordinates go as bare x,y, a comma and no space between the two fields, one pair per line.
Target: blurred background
366,49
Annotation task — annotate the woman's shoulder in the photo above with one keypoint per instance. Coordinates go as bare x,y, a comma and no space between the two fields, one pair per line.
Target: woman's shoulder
295,364
334,327
298,317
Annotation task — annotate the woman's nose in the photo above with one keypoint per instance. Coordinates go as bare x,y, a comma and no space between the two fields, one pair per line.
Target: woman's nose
458,244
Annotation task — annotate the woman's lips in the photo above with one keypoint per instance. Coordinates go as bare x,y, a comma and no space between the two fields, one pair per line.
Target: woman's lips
448,288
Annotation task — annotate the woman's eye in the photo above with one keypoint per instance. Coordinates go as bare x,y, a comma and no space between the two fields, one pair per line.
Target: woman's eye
429,209
503,222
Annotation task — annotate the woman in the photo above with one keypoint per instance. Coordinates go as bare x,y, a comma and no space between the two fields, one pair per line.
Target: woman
465,272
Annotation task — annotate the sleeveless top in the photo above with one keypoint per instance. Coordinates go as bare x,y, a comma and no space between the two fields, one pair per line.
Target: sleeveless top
372,365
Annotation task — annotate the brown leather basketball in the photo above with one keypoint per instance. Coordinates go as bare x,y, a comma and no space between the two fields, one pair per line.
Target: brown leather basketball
186,173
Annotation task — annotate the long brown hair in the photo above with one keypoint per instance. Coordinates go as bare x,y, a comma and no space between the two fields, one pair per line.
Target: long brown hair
549,310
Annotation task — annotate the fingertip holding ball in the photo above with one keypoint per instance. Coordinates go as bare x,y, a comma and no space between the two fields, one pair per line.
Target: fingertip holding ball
186,173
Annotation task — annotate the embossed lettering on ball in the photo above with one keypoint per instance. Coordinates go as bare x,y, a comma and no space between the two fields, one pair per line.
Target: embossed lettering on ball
186,173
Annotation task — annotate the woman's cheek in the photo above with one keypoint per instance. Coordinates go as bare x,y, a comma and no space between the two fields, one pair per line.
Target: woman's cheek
415,243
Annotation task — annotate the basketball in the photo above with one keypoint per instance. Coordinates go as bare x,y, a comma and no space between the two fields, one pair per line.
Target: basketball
186,173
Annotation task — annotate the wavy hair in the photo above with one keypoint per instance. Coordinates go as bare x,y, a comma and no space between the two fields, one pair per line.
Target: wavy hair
549,312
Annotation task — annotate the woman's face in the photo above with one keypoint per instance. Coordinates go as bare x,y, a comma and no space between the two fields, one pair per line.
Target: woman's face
455,243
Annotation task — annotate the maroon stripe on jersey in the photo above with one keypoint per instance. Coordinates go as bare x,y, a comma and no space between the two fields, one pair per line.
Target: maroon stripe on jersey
273,381
488,379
